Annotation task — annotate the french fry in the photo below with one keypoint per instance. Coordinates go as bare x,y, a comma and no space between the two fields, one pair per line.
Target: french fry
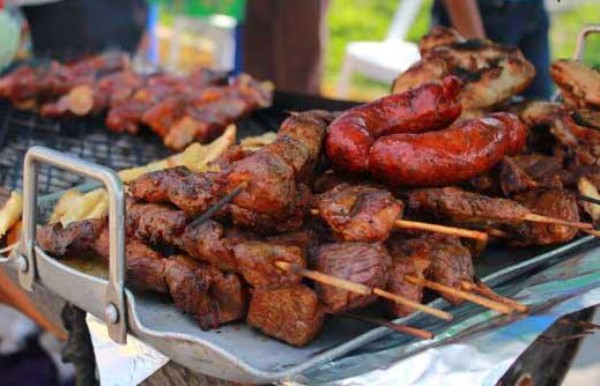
259,140
195,157
588,189
75,206
11,212
80,209
100,210
66,201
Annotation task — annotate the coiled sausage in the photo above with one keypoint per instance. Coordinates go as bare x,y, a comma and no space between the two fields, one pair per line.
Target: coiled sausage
458,153
431,106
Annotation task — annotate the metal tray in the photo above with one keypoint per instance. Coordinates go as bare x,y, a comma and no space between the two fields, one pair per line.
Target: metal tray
234,352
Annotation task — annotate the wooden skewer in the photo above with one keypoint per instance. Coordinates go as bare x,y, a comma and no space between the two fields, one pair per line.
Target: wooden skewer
491,304
588,199
360,288
460,232
550,220
8,248
592,232
453,231
407,330
484,290
498,233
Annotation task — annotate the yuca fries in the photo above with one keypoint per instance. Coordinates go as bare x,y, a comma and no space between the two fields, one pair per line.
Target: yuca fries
195,157
65,204
11,212
75,206
588,189
83,207
258,141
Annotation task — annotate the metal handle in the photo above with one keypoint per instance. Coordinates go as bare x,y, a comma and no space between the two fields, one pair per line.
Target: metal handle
583,34
579,50
114,303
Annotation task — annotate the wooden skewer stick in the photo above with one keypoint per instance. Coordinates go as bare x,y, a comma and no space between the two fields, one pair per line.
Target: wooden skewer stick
532,217
498,233
8,248
589,199
460,232
592,232
486,291
453,231
491,304
407,330
360,288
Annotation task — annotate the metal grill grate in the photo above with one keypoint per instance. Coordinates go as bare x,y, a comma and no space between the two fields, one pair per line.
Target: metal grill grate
90,140
84,138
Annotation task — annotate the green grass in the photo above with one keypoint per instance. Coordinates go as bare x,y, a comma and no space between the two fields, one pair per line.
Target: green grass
355,20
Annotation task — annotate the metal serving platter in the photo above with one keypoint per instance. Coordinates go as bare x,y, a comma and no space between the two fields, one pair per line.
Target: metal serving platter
239,353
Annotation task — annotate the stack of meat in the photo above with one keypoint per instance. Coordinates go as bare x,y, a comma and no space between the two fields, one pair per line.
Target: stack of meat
180,109
343,197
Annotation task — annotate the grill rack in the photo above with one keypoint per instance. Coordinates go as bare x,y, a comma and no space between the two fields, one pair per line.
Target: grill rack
89,139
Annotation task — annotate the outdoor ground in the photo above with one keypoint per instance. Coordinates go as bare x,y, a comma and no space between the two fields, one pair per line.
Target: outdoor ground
356,20
585,370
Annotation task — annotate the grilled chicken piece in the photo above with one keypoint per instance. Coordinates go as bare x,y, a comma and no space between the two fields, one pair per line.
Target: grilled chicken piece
256,262
439,36
357,262
555,203
491,73
579,84
409,257
291,314
359,212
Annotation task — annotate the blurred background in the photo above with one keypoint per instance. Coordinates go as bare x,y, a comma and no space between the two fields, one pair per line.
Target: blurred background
364,43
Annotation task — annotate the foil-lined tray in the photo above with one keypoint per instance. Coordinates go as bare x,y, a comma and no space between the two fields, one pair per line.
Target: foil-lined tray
345,348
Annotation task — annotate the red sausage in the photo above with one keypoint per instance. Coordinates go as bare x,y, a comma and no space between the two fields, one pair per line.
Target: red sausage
446,157
431,106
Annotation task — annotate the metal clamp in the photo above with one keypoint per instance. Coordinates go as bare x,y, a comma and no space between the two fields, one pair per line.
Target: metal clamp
581,37
81,289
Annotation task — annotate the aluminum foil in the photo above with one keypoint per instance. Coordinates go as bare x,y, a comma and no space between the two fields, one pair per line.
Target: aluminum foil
480,347
122,365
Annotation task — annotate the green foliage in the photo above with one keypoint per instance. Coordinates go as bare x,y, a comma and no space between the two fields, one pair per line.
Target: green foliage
564,29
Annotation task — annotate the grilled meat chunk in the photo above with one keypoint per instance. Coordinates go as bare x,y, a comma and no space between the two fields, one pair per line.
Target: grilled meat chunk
360,212
144,267
213,243
256,260
461,207
553,203
357,262
188,284
292,314
76,239
213,298
451,264
189,191
409,257
154,223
